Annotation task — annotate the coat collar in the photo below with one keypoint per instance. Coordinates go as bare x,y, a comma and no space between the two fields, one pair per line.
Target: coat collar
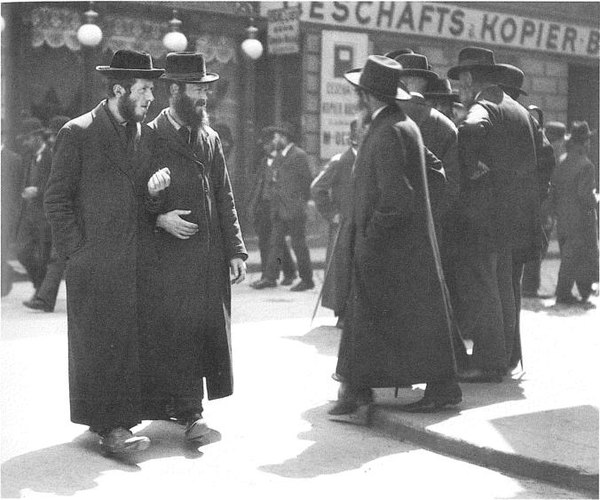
165,129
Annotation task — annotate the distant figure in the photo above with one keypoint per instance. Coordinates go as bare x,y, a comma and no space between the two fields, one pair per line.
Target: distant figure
574,204
439,95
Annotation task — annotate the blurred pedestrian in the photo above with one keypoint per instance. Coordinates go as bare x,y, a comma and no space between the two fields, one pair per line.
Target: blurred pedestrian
260,211
44,298
439,95
499,210
12,166
93,200
33,238
556,132
396,328
288,191
185,279
574,202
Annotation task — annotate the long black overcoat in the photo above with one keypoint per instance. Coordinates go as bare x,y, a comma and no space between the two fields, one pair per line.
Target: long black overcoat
93,201
188,312
397,326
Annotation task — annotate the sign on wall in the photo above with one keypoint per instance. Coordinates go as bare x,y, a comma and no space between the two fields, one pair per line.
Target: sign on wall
443,20
283,31
341,52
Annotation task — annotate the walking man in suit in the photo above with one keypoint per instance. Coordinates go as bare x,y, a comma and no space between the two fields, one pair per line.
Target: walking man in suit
93,200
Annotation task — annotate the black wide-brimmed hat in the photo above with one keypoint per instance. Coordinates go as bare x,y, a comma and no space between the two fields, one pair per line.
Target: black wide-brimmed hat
415,65
130,64
187,67
392,54
380,76
580,132
440,89
284,128
511,77
470,58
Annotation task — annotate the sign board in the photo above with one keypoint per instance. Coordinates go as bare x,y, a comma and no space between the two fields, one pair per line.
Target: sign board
283,31
341,52
447,21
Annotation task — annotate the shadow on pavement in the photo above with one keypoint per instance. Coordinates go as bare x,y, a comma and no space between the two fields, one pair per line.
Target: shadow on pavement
68,468
325,339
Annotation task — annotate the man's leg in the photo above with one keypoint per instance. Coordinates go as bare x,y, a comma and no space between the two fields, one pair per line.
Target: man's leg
297,230
276,244
566,273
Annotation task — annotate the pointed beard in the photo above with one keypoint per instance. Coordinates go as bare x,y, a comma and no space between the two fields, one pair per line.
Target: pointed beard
192,113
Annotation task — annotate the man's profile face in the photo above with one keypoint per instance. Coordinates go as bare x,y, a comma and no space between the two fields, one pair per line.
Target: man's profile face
134,105
465,87
190,103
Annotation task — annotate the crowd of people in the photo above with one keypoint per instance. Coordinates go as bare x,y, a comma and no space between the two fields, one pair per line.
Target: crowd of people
439,211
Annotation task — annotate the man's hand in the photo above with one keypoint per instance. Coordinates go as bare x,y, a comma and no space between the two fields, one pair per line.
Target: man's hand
29,192
173,224
159,181
237,267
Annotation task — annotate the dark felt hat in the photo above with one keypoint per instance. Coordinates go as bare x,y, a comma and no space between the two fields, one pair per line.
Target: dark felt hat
392,54
187,67
470,58
511,77
580,132
130,64
380,76
555,131
284,128
415,65
31,126
440,88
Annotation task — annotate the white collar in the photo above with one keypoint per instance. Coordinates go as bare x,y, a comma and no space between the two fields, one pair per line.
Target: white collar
377,111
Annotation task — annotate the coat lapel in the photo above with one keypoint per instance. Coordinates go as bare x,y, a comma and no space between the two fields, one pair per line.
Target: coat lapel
175,140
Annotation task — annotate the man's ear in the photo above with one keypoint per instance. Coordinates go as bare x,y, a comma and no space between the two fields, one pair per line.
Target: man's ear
174,89
118,90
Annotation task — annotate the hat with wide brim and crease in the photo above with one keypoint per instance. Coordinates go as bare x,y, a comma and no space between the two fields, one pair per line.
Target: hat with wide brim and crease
511,77
187,67
130,64
440,89
416,65
381,77
473,58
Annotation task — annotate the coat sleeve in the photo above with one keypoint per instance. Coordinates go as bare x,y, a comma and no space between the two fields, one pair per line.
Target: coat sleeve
471,134
302,167
322,185
228,219
61,194
585,187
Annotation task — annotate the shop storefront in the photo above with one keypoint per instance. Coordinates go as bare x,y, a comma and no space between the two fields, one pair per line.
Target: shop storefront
556,44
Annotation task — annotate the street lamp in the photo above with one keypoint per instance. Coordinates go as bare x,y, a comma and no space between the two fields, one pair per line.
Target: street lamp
175,40
251,46
90,34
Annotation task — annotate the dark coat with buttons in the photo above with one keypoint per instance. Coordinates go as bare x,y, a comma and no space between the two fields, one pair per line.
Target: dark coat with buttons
188,313
94,200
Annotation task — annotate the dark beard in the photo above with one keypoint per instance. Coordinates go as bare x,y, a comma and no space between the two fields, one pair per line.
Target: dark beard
126,108
186,110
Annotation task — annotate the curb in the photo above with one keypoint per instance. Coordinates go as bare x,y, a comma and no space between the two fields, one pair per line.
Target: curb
518,465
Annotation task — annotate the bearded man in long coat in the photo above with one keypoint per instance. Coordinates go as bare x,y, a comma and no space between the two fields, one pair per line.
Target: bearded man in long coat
397,327
198,241
93,200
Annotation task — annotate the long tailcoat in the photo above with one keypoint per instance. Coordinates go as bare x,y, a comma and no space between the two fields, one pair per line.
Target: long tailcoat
397,327
188,313
93,200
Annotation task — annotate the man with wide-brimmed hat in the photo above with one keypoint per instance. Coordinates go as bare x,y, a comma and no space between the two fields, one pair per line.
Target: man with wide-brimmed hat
196,254
499,210
288,190
439,95
396,329
575,203
93,200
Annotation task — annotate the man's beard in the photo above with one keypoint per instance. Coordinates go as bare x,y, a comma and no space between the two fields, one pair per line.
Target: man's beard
192,113
126,108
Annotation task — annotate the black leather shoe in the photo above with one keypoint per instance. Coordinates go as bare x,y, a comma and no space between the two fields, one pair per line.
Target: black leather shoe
567,301
121,440
196,428
302,286
432,404
38,305
263,283
287,281
479,376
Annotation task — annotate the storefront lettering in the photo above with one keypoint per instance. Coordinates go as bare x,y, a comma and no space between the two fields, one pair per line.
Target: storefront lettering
447,21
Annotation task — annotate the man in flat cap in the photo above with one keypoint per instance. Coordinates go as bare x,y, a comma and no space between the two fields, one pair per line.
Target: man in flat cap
93,200
397,327
196,254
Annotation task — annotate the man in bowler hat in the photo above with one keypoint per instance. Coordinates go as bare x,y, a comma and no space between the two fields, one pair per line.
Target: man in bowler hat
499,211
397,327
93,200
196,254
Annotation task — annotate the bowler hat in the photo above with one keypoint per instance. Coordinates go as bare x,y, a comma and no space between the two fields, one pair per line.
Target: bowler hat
380,76
555,131
284,128
511,77
392,54
187,67
415,65
440,88
130,64
471,58
31,126
580,132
